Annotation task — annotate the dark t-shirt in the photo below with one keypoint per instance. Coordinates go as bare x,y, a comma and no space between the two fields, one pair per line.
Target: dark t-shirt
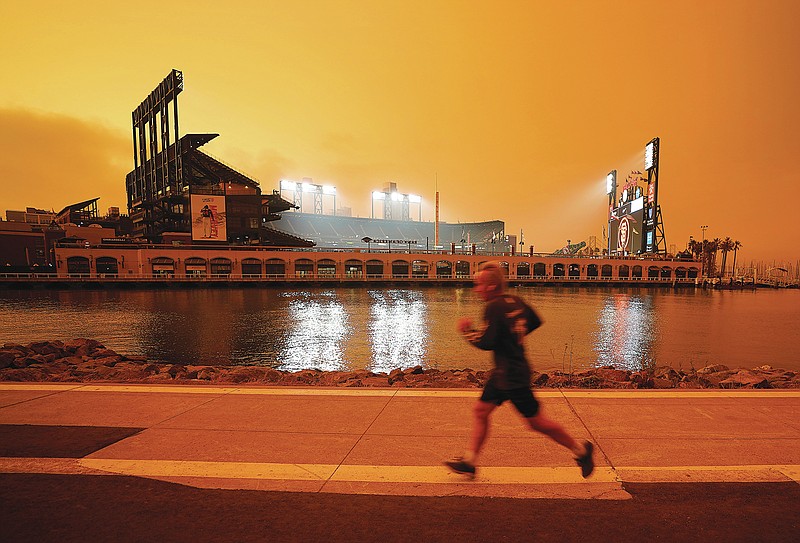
508,320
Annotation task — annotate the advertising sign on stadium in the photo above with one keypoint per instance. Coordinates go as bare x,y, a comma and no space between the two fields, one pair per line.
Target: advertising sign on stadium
411,241
208,218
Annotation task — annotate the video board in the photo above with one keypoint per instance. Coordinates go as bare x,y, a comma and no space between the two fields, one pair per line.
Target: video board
626,227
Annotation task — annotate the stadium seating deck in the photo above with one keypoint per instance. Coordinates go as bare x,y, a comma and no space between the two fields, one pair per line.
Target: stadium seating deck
338,231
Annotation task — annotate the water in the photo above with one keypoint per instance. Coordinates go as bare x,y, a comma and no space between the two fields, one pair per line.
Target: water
384,328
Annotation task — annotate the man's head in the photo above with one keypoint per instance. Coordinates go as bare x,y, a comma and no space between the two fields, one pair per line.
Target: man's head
490,281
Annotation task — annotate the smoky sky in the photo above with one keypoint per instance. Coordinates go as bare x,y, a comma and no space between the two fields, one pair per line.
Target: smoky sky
48,156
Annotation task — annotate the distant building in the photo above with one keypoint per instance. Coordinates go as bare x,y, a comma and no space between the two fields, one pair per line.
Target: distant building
85,214
26,246
31,215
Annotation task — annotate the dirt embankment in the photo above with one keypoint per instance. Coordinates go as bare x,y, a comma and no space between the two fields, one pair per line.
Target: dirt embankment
87,360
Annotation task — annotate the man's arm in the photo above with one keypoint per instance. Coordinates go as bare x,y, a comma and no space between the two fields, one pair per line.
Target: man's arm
534,321
483,338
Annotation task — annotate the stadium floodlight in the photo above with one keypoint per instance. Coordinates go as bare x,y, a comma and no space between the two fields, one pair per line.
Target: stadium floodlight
310,187
328,189
288,185
649,155
414,199
611,182
397,197
377,195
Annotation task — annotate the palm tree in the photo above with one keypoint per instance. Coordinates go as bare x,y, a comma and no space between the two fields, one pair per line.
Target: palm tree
735,247
725,246
695,247
710,248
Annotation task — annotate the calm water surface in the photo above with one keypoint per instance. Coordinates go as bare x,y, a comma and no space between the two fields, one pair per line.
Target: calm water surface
384,328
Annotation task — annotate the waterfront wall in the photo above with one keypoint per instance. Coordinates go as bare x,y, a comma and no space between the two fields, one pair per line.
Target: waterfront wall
193,263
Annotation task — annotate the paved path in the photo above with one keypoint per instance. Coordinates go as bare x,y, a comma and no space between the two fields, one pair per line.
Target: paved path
392,441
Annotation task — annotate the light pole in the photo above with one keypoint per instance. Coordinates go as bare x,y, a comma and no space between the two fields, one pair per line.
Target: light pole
703,253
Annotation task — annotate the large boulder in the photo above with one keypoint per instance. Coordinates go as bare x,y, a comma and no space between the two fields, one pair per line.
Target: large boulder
713,368
745,379
48,347
6,359
609,373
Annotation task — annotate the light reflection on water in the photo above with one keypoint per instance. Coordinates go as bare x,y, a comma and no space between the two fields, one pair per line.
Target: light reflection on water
625,331
317,333
385,328
398,329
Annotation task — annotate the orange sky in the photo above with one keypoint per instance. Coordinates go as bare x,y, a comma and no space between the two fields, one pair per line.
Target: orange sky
519,108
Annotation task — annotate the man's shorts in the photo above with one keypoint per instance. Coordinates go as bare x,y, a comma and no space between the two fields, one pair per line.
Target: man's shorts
522,398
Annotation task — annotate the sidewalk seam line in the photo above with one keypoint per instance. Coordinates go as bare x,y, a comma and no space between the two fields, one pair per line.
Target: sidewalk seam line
592,436
53,393
190,409
389,399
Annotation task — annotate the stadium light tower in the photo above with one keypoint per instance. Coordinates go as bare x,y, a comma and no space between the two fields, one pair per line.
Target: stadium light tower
390,197
306,186
611,190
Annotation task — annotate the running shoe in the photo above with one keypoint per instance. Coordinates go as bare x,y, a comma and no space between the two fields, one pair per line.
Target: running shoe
585,461
459,465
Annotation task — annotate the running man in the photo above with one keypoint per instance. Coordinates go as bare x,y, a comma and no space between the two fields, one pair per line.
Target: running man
508,320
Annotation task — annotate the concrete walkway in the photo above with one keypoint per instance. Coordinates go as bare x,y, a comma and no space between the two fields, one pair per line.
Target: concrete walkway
393,441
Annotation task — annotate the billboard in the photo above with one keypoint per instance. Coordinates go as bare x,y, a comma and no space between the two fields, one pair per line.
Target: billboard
208,218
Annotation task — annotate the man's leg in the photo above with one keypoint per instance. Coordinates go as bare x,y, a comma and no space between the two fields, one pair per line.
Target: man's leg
554,431
480,429
582,451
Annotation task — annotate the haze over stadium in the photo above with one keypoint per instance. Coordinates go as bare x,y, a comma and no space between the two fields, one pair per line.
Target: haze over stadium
515,110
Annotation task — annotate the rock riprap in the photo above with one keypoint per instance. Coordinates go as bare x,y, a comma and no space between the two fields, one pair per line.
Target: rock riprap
87,360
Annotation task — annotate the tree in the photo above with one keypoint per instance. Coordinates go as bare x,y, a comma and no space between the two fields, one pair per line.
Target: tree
696,248
725,246
736,246
710,248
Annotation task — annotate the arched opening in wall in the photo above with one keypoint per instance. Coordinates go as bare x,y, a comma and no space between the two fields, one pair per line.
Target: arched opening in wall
163,266
592,271
220,267
540,270
419,268
77,266
693,273
463,269
636,272
375,269
558,270
400,268
652,272
195,266
303,267
606,270
353,268
574,270
444,268
326,267
623,272
666,272
275,267
504,267
107,266
523,269
251,267
680,272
